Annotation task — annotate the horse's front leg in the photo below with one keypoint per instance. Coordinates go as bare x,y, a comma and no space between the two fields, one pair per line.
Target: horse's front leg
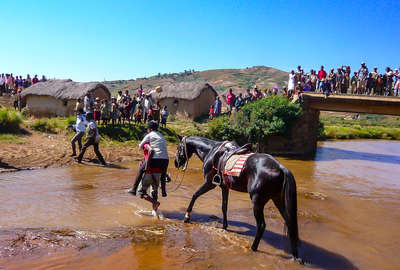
207,186
225,195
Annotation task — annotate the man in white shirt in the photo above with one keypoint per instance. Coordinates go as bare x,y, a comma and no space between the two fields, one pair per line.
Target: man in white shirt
92,138
147,103
2,84
158,165
80,131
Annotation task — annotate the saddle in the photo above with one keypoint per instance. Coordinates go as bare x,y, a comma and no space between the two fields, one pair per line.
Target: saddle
231,150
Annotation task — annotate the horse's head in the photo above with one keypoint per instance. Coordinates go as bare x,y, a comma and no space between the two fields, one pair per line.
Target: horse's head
182,156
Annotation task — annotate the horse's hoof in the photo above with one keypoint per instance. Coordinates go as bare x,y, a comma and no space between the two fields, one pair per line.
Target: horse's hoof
298,260
253,248
186,220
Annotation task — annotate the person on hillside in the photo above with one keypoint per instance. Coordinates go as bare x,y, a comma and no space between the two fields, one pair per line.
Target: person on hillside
239,102
362,78
105,112
211,112
2,84
119,97
140,91
28,80
256,94
78,105
230,101
43,79
217,107
35,80
134,103
97,110
156,111
299,75
164,117
88,103
126,95
79,128
147,103
157,168
292,81
247,96
114,111
321,75
92,138
138,115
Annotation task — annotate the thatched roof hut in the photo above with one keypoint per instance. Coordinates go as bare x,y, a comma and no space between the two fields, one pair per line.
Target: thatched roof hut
58,97
187,99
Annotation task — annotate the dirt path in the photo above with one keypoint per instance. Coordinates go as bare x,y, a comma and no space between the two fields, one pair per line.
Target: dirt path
42,150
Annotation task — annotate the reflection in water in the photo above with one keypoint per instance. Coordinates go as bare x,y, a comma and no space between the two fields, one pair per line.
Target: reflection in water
348,217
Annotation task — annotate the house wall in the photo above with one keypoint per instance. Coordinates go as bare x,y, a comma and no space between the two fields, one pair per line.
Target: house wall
46,106
190,109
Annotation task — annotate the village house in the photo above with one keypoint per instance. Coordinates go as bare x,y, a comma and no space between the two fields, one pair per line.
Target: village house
187,99
58,97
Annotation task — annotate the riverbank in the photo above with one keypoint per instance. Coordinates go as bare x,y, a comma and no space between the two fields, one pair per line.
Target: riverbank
359,126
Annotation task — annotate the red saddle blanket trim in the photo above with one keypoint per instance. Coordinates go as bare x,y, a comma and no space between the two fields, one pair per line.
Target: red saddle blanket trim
238,167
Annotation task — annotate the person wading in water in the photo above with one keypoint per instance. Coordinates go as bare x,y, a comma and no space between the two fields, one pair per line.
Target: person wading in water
156,167
79,128
92,138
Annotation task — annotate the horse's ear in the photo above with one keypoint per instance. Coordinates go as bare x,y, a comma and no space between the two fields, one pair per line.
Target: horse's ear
179,137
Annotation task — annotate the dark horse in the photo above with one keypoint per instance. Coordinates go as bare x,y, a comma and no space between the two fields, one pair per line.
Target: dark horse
263,177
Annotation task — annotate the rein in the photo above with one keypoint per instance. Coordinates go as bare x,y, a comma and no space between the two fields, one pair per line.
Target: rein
183,169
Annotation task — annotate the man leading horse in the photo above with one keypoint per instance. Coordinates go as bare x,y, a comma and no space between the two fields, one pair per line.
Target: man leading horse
262,176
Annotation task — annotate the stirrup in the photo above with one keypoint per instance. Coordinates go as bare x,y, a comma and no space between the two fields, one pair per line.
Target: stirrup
217,180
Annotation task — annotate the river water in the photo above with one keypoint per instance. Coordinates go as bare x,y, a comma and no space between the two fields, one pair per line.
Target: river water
80,217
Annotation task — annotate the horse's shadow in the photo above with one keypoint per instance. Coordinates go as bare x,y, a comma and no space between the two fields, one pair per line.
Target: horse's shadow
313,255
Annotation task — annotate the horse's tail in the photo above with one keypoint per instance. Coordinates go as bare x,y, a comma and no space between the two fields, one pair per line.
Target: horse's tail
289,199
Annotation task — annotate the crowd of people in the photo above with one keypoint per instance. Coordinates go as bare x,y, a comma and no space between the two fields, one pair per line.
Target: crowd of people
235,102
342,81
14,85
138,108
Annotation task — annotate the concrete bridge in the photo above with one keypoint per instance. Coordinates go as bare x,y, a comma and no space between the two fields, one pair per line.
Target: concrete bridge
303,138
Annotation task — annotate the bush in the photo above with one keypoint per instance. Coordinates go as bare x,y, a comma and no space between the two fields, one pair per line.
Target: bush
256,121
9,121
45,125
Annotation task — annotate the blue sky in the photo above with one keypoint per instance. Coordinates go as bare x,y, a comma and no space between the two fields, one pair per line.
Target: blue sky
91,40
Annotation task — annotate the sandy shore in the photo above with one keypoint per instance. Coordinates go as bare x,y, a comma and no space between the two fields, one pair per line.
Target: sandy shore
42,150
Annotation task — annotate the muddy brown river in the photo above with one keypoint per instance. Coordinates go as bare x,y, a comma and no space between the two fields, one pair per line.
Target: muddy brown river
81,217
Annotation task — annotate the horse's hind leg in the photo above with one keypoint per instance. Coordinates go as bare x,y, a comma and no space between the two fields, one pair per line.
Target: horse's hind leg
278,201
207,186
258,209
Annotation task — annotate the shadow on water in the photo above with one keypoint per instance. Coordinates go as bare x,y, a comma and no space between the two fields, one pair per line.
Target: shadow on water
331,154
313,255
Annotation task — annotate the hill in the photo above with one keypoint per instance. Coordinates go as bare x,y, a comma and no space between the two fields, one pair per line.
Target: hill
220,79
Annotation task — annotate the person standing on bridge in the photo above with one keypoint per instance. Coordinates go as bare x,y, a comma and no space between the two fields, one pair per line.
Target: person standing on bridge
362,78
374,76
321,75
291,82
397,83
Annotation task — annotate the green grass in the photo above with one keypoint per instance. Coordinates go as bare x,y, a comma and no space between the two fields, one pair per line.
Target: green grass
366,127
10,121
11,138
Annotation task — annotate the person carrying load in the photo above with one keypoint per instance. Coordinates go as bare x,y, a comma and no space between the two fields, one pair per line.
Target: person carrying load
156,166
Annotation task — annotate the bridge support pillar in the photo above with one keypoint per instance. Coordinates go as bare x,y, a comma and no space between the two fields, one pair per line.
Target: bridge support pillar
302,140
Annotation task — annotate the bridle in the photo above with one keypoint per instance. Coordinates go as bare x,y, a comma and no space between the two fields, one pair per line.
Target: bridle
184,166
185,153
